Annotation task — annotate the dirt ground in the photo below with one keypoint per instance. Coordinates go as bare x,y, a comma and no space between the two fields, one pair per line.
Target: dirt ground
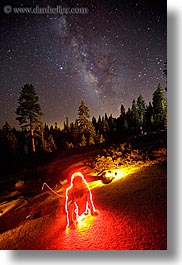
133,216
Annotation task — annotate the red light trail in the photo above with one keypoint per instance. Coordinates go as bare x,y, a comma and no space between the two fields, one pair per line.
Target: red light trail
78,199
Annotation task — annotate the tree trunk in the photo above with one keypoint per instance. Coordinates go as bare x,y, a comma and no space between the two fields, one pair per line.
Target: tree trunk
33,141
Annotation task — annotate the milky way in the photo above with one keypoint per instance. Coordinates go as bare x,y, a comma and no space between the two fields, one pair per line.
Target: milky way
107,56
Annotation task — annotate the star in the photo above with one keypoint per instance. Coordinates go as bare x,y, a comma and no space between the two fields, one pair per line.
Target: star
116,47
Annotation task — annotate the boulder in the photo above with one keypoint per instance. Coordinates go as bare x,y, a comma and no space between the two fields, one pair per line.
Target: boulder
19,184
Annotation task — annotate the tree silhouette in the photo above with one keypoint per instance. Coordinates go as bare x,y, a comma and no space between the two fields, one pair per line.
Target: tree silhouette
159,108
121,123
86,127
29,110
83,117
75,133
134,117
141,108
148,118
165,72
8,139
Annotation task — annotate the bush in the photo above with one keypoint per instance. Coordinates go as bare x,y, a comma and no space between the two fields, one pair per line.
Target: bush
114,157
160,155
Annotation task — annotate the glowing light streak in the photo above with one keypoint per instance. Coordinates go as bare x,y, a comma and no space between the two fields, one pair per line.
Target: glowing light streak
72,202
85,224
122,172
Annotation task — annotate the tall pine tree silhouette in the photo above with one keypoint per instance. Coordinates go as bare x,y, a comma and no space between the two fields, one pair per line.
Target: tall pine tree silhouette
159,108
29,110
86,127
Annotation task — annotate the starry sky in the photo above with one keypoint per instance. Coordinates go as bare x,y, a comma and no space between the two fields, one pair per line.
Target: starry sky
106,56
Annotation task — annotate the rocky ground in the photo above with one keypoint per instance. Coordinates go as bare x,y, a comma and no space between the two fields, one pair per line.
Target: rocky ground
133,215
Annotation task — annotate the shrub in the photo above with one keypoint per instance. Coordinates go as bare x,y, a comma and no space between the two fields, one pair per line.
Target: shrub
114,157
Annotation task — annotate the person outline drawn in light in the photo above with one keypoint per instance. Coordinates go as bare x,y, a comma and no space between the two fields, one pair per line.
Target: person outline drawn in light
78,199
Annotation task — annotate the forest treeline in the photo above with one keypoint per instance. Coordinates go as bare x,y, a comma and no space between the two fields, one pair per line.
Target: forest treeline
34,137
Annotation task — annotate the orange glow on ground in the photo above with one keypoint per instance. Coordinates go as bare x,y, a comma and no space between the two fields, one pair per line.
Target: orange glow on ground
84,223
120,225
122,172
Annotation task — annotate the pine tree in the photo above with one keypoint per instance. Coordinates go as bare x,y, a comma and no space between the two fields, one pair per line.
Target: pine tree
90,134
83,117
91,140
122,117
51,144
122,111
106,117
105,130
101,140
76,133
29,110
165,73
121,123
86,127
129,120
141,108
134,117
148,118
159,108
94,122
165,69
99,124
46,131
39,136
83,141
66,125
8,138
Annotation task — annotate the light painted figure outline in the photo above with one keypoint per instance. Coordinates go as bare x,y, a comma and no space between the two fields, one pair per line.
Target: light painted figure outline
78,199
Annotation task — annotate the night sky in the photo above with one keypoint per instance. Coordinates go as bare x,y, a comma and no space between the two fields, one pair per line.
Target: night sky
107,56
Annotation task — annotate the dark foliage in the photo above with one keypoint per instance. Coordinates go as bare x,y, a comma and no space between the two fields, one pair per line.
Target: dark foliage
15,145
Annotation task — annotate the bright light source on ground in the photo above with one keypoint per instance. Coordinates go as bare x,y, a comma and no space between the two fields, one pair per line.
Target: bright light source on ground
119,173
124,172
83,221
83,224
